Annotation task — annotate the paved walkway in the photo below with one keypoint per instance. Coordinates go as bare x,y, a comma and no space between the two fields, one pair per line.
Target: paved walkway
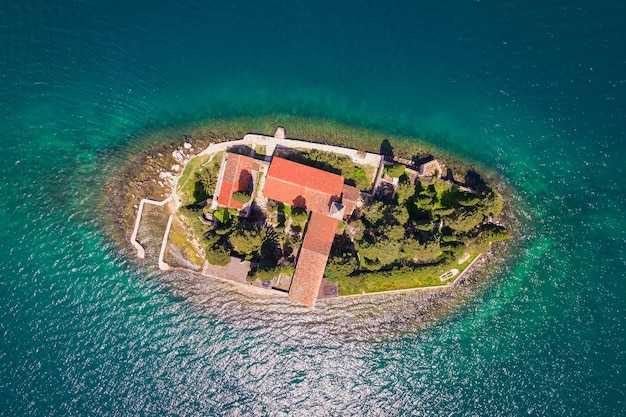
270,142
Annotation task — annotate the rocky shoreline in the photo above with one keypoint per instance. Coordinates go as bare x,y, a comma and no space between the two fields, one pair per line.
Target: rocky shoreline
150,174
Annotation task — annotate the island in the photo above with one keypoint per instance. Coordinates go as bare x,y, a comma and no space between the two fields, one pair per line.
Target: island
312,221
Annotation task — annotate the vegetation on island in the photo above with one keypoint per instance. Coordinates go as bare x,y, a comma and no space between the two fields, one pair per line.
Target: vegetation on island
421,248
412,237
406,235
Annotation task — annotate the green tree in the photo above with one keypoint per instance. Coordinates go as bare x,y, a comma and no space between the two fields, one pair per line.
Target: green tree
427,252
495,233
465,221
405,191
340,266
384,251
356,229
397,215
425,225
443,212
242,197
224,215
267,272
374,212
299,216
393,232
471,201
395,170
492,204
388,251
217,255
248,242
208,181
424,202
409,247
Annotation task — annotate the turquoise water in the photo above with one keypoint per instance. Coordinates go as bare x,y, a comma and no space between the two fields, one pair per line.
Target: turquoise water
536,91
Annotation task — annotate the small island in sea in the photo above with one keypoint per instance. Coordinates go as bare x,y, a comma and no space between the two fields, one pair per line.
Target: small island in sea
312,221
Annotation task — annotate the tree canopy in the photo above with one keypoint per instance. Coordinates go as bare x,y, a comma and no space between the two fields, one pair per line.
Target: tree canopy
242,197
395,170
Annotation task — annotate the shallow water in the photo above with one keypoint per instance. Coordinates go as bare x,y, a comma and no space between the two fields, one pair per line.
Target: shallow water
536,92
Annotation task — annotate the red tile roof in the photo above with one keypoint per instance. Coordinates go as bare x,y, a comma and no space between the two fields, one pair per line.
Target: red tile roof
312,260
349,198
237,176
302,186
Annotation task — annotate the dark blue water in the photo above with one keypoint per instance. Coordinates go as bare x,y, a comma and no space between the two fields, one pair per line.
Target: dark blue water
536,91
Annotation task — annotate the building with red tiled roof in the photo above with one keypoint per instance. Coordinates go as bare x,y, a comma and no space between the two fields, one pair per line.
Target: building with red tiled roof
302,186
349,198
314,252
237,176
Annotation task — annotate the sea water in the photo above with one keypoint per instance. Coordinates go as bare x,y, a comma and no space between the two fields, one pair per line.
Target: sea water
535,90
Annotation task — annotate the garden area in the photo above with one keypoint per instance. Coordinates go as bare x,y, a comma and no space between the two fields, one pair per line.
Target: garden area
408,239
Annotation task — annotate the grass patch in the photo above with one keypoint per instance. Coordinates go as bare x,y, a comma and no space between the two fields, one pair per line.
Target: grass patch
178,237
190,187
400,279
